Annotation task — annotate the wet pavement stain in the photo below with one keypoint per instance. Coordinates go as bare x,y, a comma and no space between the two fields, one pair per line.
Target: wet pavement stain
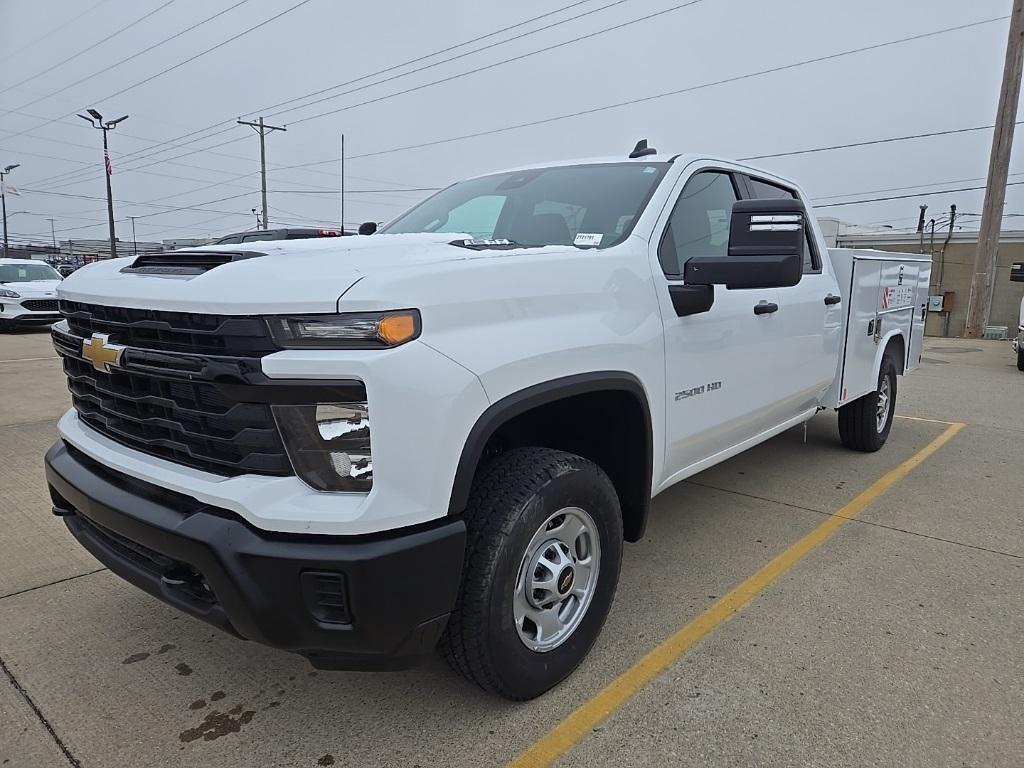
272,705
183,669
197,704
136,657
217,695
165,648
218,724
327,759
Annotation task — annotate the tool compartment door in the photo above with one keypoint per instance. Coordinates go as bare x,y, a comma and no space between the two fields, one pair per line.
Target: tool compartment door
859,358
924,276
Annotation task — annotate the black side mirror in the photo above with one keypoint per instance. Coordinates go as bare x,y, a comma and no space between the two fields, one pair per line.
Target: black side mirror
766,245
367,227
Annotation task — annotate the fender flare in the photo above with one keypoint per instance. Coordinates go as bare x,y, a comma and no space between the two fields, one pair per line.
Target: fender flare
883,344
520,402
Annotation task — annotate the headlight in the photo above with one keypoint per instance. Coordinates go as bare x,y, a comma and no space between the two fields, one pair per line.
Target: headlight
363,330
328,444
7,293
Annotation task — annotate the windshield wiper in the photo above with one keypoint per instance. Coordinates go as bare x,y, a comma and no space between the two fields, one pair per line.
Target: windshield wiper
496,244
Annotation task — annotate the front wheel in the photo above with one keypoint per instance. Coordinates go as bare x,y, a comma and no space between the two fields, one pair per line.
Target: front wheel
864,424
1020,358
543,551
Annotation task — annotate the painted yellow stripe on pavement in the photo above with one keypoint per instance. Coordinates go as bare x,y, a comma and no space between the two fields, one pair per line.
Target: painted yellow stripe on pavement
570,731
921,418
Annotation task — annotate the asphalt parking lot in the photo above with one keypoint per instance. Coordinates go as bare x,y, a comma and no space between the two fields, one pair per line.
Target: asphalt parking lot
894,640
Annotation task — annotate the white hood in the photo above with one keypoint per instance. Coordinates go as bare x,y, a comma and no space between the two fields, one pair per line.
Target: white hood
289,276
34,289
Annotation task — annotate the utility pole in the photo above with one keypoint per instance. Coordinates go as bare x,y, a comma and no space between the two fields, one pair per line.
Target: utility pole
135,240
342,183
920,227
3,201
980,303
95,119
53,237
262,130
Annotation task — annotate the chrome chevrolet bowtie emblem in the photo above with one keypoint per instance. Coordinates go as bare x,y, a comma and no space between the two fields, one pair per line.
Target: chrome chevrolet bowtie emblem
101,353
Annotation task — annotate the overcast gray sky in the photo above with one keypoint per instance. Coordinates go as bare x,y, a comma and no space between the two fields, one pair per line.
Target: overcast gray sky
938,83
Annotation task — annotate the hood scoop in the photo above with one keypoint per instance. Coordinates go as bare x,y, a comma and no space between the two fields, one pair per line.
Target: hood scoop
185,262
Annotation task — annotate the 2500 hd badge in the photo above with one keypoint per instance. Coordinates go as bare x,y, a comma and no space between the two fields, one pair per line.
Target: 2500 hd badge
709,387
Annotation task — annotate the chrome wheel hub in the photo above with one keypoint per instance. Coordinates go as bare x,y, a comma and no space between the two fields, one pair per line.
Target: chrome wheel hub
884,402
557,579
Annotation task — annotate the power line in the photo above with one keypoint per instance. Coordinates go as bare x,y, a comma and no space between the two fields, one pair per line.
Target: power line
904,197
58,28
870,142
180,63
493,65
662,95
125,60
383,71
74,56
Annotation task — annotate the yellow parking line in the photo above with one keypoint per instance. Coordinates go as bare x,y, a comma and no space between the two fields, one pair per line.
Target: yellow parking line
570,731
930,421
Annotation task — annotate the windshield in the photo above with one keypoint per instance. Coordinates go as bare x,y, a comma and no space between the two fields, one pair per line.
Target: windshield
592,205
27,273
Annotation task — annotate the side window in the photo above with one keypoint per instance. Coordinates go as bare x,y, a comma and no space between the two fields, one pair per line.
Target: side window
768,191
699,224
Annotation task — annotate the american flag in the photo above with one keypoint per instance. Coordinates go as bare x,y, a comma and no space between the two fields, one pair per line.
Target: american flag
106,162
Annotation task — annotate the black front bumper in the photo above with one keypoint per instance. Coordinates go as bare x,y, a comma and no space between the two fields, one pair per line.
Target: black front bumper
343,602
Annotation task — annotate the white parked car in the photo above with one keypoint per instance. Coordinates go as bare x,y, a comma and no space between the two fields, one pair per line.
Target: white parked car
1017,276
361,448
28,293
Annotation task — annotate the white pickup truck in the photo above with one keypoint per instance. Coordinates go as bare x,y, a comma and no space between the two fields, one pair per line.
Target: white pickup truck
359,449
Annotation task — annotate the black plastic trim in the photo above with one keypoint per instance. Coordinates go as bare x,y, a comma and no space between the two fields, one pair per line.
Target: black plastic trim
541,394
399,587
691,299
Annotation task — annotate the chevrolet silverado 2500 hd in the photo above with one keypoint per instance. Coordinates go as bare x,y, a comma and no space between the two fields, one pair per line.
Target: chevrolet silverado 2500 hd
361,448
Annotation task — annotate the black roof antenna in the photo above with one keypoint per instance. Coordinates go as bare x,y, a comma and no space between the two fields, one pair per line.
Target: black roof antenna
642,150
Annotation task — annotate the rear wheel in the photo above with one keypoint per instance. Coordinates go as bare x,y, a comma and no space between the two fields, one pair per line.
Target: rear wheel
543,553
864,424
1020,359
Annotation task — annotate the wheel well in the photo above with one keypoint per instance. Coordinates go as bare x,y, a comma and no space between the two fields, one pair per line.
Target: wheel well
897,346
610,427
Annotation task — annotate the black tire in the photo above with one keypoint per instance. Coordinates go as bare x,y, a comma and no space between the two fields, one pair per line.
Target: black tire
858,421
510,501
1020,359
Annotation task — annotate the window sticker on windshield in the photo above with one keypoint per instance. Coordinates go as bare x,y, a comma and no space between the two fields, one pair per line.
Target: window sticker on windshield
483,241
587,238
22,272
648,169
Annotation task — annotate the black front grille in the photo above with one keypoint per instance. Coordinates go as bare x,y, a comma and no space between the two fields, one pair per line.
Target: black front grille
188,422
171,331
40,305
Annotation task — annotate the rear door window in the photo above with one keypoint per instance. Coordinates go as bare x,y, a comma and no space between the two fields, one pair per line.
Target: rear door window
765,190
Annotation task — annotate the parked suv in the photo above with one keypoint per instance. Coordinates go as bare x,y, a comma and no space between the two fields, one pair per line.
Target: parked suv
28,293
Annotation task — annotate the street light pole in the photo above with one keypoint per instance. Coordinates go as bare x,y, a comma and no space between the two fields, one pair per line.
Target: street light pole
3,201
53,237
96,121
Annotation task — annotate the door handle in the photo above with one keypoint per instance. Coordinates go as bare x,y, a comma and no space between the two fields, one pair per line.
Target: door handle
765,308
832,299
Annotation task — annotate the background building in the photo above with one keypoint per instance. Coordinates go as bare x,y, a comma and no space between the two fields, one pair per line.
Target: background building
952,270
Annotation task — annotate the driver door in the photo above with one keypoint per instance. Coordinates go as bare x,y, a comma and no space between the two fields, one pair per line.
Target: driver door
721,378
